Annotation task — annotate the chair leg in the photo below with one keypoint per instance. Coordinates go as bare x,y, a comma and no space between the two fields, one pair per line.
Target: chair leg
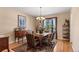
15,39
22,39
8,50
18,40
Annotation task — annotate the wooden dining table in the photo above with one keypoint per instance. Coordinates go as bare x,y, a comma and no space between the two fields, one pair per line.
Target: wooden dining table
40,37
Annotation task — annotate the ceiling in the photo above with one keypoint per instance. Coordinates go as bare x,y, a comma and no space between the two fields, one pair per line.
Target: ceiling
35,11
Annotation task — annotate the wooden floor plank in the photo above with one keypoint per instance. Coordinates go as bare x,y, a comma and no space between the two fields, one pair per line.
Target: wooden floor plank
16,44
63,46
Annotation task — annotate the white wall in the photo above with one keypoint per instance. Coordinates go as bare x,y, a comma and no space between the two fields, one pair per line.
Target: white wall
74,28
9,21
60,21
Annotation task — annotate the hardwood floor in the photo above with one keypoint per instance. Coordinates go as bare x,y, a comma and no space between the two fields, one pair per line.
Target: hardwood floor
63,46
16,44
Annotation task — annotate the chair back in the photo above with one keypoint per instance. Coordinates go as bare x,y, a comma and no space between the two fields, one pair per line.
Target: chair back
30,40
49,38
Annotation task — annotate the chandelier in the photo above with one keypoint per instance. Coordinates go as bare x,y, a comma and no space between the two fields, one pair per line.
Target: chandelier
40,17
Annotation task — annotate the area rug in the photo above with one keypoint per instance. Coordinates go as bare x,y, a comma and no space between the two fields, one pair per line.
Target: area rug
23,48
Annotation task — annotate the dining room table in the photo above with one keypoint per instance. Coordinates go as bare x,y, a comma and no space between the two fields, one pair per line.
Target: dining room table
40,37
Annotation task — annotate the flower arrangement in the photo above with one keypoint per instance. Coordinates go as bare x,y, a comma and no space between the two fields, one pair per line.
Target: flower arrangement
41,29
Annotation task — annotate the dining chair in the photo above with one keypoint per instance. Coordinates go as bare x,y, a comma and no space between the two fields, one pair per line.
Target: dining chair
31,41
47,39
53,40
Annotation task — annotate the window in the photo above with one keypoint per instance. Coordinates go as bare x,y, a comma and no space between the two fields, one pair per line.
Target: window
50,25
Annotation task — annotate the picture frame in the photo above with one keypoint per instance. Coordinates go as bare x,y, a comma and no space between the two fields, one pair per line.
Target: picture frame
21,21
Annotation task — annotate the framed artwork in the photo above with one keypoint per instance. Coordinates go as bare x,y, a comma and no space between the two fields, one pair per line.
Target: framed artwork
21,21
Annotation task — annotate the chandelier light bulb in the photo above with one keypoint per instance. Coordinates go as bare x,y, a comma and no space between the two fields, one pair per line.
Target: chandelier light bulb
40,17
